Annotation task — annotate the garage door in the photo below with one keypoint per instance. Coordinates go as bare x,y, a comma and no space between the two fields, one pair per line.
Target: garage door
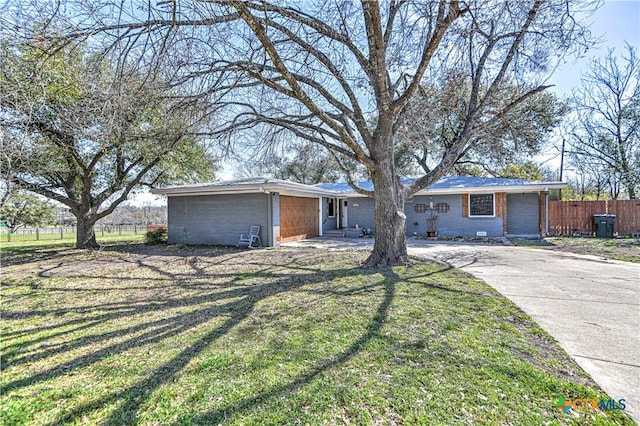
522,214
298,218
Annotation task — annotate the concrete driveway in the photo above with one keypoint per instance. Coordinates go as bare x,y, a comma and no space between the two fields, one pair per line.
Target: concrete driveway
591,306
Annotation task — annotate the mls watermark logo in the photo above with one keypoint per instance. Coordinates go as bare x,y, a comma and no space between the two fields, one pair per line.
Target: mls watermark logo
588,404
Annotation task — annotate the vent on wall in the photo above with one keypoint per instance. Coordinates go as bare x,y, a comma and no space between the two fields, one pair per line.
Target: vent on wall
442,207
423,208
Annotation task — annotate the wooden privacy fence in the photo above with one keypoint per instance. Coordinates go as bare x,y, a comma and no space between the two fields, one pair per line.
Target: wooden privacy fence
568,217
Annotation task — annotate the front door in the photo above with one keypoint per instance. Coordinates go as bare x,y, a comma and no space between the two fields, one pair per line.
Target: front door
342,213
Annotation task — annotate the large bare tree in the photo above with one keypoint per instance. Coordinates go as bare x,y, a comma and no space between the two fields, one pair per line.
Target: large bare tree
605,129
340,74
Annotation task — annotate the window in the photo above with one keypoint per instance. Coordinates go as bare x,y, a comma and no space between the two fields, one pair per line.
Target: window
481,205
331,211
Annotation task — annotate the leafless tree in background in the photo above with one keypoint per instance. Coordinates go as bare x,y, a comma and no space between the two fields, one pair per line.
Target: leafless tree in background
605,129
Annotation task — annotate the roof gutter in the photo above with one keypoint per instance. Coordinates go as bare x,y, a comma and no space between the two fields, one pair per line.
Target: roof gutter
301,190
254,188
486,189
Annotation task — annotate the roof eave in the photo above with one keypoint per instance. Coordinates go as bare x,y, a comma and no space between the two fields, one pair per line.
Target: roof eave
257,188
541,187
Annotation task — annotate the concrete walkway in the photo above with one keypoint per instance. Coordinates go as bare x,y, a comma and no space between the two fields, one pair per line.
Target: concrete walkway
591,306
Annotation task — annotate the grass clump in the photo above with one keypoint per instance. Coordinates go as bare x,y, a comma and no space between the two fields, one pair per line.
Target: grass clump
289,336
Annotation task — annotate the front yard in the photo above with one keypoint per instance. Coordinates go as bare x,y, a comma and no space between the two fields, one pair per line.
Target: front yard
168,335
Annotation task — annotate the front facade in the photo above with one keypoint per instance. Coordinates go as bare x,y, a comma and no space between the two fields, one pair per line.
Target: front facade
218,213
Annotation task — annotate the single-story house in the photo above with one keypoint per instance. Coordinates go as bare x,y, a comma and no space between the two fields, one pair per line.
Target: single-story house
217,213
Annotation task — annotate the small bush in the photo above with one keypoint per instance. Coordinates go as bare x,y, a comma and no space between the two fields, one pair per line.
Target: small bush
157,236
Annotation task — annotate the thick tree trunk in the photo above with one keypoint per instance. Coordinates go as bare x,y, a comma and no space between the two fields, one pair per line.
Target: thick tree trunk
390,246
85,233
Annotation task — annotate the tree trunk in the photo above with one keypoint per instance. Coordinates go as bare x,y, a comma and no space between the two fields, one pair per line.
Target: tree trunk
390,246
630,184
85,233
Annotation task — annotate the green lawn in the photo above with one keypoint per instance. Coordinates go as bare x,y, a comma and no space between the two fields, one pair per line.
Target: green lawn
27,249
68,237
625,249
169,335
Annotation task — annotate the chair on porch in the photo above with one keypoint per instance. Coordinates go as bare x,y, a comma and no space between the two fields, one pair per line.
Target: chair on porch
252,239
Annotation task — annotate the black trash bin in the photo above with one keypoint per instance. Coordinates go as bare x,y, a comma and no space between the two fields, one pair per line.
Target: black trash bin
603,223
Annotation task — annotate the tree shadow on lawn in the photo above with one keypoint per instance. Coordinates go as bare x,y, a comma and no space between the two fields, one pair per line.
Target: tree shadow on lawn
30,254
227,296
66,252
99,313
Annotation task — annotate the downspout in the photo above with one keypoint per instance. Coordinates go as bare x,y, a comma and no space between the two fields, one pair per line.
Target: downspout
270,238
320,216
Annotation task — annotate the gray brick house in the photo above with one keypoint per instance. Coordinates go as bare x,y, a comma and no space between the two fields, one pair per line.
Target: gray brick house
217,213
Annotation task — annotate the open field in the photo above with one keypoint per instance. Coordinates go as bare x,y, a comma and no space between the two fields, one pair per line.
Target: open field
625,249
134,334
16,249
52,235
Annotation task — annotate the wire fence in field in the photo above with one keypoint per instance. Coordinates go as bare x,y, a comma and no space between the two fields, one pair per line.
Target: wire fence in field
68,232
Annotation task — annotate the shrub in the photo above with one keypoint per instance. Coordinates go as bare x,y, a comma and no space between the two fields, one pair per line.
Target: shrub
157,236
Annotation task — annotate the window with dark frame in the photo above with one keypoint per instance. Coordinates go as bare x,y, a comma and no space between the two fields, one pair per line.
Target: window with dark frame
331,212
481,205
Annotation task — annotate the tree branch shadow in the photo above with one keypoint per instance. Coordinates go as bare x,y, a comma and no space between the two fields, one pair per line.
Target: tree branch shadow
372,330
227,301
